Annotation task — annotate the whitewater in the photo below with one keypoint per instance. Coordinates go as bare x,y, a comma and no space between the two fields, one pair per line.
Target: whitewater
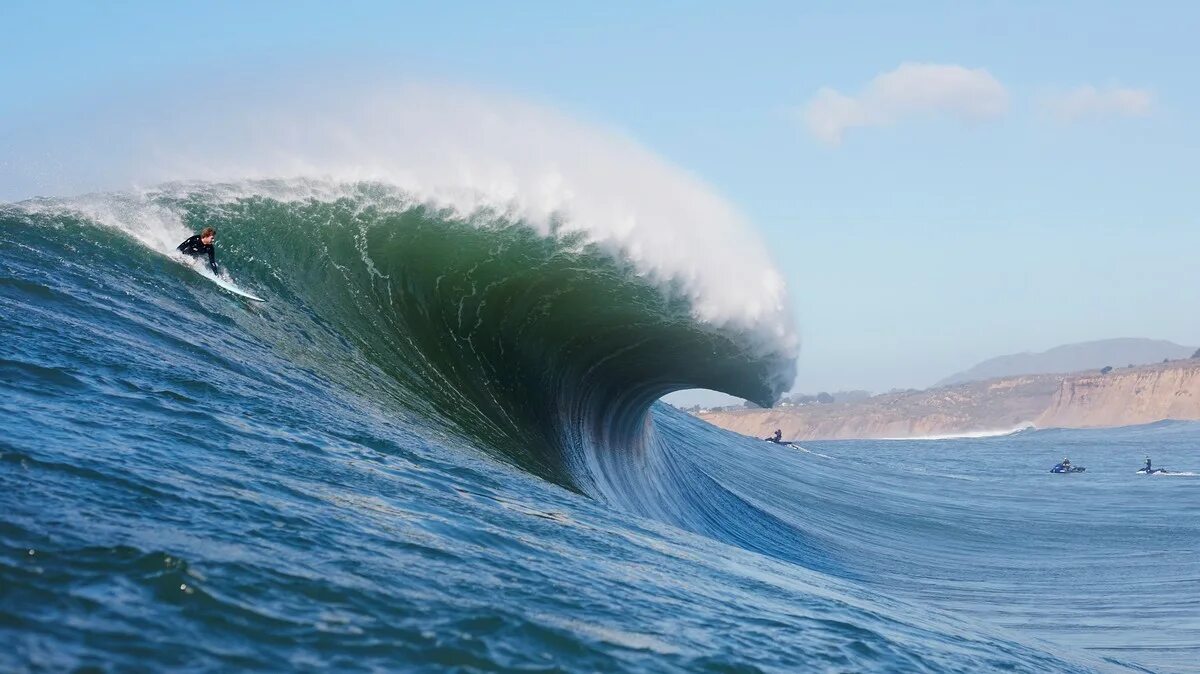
437,444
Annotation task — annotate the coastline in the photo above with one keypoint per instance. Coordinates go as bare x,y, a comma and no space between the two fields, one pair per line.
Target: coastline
1001,406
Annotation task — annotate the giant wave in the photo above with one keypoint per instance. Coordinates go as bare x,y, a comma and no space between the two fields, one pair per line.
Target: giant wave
545,348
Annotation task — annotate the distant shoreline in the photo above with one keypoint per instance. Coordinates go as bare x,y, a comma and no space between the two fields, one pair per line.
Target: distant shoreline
1088,399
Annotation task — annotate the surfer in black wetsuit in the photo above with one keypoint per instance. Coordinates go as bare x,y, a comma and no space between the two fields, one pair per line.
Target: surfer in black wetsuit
200,245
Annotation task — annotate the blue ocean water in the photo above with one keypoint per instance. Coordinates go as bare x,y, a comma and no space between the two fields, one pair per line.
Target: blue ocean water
435,447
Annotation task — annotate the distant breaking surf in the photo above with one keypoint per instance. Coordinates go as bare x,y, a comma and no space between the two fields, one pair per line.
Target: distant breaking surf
972,434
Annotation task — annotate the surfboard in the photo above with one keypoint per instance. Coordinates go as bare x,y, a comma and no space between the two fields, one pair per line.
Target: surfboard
207,273
228,285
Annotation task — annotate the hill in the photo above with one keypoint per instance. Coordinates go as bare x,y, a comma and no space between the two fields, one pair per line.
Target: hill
1074,358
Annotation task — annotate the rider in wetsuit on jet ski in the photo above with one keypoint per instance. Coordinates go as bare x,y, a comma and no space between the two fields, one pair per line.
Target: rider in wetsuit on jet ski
1148,470
1066,467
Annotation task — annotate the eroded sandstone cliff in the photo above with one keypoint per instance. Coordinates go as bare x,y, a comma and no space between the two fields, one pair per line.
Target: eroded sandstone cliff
1126,397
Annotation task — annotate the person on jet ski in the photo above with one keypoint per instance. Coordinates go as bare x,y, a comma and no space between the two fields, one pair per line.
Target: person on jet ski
1066,463
1147,468
777,438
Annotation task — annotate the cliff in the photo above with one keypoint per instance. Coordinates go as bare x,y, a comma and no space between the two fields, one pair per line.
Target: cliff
1090,399
1126,397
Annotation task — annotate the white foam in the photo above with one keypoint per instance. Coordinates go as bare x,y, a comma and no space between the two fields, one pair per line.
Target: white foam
810,451
972,434
468,152
157,227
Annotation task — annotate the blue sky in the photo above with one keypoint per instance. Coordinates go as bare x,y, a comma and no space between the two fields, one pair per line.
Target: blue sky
1029,181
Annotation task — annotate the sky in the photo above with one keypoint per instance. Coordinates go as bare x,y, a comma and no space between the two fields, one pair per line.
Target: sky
939,182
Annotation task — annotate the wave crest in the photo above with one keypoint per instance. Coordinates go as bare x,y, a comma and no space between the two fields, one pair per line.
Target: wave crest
454,148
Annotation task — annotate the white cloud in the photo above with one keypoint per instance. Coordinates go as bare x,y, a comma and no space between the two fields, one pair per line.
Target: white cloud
1088,101
910,90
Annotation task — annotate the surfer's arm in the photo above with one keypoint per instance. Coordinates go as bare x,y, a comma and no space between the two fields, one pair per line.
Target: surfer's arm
212,259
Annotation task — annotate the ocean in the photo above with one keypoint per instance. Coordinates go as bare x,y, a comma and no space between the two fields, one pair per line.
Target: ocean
438,446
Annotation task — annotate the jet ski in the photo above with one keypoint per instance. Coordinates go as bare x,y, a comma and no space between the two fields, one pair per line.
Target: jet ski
1153,471
1059,468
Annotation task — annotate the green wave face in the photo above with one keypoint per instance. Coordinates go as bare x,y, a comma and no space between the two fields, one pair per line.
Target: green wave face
543,349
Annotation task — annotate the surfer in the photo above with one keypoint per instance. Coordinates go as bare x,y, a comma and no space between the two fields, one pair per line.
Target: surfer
200,245
777,438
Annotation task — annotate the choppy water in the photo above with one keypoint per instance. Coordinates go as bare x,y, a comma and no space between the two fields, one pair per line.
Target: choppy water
435,446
